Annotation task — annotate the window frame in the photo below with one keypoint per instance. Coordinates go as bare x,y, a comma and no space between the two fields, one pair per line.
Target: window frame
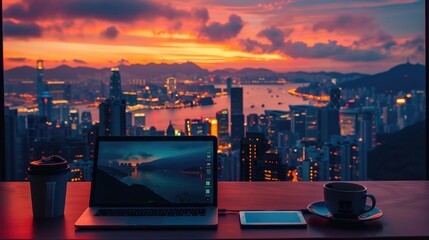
2,130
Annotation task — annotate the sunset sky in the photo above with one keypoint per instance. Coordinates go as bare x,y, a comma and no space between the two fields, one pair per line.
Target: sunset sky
366,36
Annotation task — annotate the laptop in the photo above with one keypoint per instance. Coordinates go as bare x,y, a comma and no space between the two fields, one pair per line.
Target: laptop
153,181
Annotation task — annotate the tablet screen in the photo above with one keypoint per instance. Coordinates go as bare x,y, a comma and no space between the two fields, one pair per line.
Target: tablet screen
272,218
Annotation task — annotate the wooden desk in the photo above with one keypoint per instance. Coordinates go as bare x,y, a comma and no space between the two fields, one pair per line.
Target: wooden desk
405,205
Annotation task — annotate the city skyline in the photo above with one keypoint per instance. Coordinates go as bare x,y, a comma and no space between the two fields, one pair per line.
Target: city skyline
357,36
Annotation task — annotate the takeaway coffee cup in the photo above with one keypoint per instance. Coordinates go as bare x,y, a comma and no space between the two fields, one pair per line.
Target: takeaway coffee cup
48,183
347,200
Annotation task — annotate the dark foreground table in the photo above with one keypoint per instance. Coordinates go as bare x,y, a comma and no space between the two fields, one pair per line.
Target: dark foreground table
405,206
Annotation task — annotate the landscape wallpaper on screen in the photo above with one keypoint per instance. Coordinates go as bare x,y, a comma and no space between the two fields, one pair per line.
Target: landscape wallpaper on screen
154,173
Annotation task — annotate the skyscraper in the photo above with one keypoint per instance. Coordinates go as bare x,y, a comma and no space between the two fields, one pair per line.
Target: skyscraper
40,82
112,118
45,105
368,127
329,123
237,116
335,95
236,100
228,85
222,121
115,84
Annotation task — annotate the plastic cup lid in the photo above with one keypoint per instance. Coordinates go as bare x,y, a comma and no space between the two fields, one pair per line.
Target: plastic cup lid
49,165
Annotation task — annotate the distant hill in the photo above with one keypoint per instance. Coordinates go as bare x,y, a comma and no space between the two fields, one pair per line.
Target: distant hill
148,71
312,77
404,77
402,156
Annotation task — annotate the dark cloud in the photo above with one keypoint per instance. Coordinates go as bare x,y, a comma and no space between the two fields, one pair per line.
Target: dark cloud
346,22
17,59
110,32
79,61
251,45
106,10
275,36
383,39
201,14
330,50
219,32
417,43
21,30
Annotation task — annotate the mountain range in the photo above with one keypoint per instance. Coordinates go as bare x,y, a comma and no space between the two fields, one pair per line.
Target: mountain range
403,77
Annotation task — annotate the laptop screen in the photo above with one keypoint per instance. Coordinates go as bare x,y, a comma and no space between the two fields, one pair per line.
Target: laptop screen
155,171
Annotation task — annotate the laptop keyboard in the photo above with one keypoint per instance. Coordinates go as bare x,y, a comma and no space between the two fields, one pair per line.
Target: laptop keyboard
121,212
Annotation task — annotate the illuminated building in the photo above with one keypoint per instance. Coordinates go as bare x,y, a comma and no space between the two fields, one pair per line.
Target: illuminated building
335,95
213,127
270,167
199,127
115,84
252,148
60,91
368,127
112,118
74,121
305,122
312,125
40,82
237,116
222,122
349,125
252,119
86,121
139,119
171,85
45,105
333,155
130,98
188,127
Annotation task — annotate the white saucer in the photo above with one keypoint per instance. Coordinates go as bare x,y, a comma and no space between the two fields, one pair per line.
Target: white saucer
319,208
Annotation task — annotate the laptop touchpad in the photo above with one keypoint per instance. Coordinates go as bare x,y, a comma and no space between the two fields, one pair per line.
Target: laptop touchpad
145,221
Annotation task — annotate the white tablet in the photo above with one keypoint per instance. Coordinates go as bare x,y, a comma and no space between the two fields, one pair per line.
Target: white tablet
272,218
